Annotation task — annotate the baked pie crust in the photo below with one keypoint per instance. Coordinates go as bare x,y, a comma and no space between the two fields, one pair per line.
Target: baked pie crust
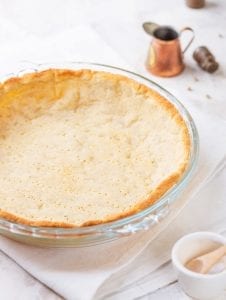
79,148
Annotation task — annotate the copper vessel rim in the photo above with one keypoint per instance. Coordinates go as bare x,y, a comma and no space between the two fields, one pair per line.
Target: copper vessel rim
165,41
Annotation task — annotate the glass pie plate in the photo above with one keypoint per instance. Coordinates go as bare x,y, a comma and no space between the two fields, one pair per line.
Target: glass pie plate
96,234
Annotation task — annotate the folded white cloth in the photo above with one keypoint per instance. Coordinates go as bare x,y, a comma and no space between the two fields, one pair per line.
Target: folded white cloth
78,273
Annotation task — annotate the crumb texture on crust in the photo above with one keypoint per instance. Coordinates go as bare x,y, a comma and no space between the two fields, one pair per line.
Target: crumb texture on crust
85,147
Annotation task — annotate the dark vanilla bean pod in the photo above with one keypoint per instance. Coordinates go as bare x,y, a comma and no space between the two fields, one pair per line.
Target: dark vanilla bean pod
205,59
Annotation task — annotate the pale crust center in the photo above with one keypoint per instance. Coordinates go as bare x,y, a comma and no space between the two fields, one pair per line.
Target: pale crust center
81,147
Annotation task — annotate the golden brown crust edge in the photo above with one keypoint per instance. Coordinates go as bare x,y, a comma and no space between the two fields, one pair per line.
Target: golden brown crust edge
169,182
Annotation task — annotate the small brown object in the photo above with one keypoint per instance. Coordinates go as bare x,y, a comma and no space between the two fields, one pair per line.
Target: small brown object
196,79
195,3
205,59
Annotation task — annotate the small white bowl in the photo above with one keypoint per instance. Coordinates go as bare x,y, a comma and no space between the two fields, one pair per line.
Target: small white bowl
198,286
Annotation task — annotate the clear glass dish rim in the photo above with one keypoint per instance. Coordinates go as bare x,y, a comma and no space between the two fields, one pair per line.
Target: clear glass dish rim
106,227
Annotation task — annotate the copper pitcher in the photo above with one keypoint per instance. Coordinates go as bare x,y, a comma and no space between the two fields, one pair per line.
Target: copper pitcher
165,56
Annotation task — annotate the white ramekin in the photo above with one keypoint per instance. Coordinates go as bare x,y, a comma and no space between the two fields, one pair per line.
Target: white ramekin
198,286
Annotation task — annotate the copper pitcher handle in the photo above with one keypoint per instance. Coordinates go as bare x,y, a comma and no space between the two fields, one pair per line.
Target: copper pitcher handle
191,40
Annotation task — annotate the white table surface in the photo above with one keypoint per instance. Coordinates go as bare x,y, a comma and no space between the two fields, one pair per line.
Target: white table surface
119,24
